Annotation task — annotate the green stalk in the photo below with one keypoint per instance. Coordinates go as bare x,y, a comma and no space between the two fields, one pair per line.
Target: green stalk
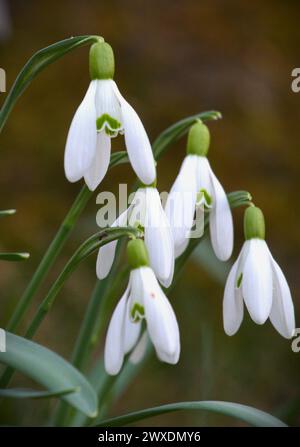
88,334
49,257
82,345
108,304
81,349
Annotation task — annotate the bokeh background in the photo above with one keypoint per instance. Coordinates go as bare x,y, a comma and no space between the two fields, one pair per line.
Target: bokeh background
173,59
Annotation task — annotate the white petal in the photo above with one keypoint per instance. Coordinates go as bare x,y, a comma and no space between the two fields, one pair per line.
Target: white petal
203,174
220,221
179,249
282,313
159,238
181,203
139,351
107,103
167,357
106,253
113,350
233,306
131,331
105,259
99,166
139,208
81,140
136,288
137,142
161,320
257,281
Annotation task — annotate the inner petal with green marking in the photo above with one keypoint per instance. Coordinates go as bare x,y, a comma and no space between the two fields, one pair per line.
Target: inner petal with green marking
110,125
204,198
137,312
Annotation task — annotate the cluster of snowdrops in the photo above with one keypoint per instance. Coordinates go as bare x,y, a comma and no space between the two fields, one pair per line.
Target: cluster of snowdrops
144,312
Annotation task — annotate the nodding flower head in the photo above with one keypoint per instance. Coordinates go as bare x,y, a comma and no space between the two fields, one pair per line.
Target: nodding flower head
147,212
256,279
143,301
195,181
102,115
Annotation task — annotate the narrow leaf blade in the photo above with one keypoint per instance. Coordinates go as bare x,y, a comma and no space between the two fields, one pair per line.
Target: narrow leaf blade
167,137
250,415
177,130
20,393
49,370
14,256
37,63
4,213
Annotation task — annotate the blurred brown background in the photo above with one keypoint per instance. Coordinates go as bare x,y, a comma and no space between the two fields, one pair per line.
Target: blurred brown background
173,59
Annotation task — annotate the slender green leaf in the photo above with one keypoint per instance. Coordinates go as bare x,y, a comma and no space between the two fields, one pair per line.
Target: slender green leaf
21,393
49,370
92,244
250,415
87,248
37,63
177,130
49,257
118,158
167,137
4,213
14,256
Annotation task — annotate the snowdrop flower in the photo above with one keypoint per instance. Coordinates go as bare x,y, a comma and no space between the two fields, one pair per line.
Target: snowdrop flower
197,184
142,300
257,279
146,211
102,115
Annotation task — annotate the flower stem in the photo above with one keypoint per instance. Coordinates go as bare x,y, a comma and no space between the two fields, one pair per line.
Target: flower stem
90,329
49,257
83,346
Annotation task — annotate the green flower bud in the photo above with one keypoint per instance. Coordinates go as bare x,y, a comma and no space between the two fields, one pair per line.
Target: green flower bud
254,223
102,61
137,254
198,139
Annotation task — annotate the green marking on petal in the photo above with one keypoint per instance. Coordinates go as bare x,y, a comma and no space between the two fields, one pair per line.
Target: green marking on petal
137,312
138,225
204,197
239,280
111,126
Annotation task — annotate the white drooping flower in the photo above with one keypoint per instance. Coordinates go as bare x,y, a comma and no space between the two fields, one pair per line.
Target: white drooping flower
195,184
142,300
146,211
256,279
102,115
